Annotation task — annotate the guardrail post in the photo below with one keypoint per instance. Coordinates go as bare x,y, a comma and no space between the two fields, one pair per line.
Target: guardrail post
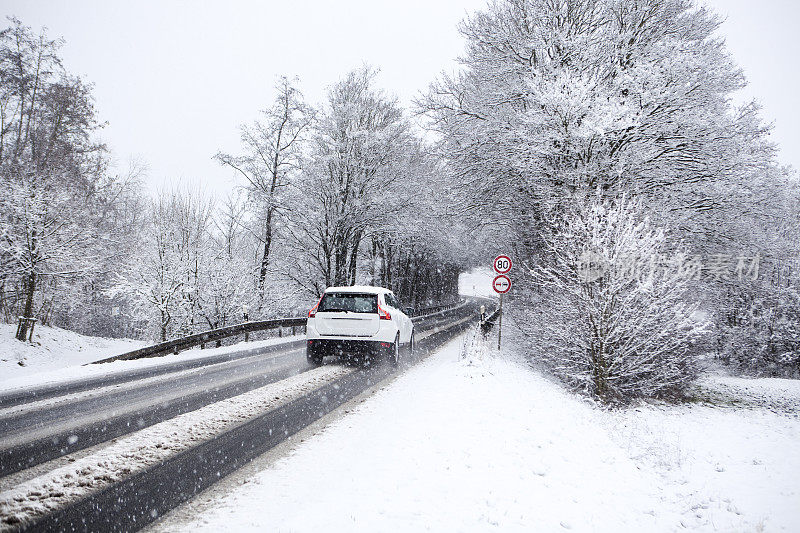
280,331
29,323
30,333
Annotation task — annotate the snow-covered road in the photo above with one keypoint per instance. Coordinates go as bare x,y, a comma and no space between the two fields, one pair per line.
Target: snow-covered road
492,445
155,468
153,445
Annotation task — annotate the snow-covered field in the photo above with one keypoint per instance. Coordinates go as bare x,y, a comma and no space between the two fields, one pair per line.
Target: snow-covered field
487,443
53,349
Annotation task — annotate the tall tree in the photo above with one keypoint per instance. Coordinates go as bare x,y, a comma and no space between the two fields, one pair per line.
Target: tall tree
273,147
558,99
53,172
361,134
167,284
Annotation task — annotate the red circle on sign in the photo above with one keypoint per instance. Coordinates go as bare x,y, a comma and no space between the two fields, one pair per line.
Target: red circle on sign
501,284
502,264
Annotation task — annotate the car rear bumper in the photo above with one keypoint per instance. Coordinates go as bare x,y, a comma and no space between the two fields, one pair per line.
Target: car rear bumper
346,347
387,331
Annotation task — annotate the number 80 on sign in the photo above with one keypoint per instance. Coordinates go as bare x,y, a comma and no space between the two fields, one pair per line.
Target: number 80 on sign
502,264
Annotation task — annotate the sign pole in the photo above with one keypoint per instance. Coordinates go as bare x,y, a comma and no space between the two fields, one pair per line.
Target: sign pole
500,323
501,285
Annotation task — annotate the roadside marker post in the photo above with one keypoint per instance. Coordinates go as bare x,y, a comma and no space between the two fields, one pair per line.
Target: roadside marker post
501,285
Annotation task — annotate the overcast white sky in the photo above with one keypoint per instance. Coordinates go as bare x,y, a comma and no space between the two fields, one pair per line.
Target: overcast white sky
174,79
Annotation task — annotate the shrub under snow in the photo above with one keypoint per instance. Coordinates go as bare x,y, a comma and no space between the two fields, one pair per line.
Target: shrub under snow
609,311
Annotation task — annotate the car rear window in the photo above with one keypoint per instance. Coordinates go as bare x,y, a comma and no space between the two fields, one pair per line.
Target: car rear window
349,301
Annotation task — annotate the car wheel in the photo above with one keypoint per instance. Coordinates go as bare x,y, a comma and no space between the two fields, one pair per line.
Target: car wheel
394,355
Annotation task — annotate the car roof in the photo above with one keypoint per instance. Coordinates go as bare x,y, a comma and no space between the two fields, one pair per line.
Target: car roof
359,288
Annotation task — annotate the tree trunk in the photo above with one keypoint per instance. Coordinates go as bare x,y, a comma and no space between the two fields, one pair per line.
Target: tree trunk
262,274
30,289
164,323
340,256
387,266
373,259
353,264
412,293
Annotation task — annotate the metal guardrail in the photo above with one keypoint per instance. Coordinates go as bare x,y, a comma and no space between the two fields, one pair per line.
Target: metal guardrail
436,309
199,339
418,313
438,312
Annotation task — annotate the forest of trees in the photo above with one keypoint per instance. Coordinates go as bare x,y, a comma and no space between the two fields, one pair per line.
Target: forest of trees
324,201
575,132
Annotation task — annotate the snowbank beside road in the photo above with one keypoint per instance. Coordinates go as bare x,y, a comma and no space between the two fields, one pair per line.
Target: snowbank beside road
69,369
731,462
451,446
53,349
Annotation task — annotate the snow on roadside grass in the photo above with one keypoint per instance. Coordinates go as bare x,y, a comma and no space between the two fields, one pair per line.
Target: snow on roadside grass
731,461
781,396
48,375
150,446
53,349
485,443
452,446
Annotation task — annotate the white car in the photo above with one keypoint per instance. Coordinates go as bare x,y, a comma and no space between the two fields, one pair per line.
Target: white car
358,322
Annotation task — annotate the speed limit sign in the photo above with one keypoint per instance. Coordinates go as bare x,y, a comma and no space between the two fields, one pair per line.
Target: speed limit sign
502,264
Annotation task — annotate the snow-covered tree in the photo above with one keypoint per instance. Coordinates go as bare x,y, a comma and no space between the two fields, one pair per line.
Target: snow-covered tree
165,282
57,188
559,99
359,137
273,149
420,248
608,313
757,315
229,290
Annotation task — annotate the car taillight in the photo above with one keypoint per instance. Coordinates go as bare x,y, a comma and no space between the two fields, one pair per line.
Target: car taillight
383,313
312,313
